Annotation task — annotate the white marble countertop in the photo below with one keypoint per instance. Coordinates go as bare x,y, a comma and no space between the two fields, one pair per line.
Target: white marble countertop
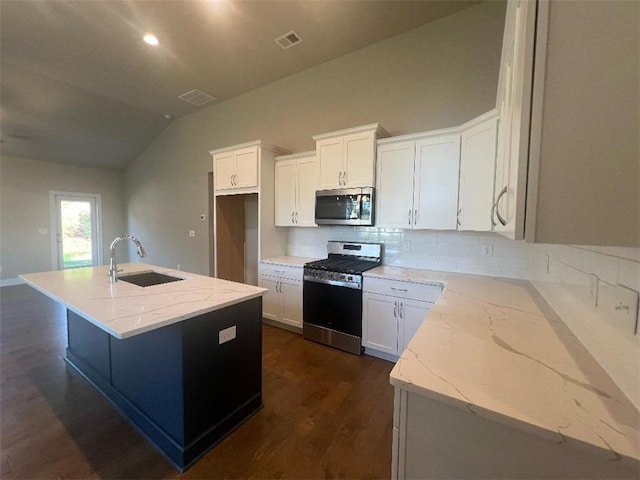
123,309
494,347
288,261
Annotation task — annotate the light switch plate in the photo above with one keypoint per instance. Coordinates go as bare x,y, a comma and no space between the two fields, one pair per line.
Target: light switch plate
487,250
226,335
43,231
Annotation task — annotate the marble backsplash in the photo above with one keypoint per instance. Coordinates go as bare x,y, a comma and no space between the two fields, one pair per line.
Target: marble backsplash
593,289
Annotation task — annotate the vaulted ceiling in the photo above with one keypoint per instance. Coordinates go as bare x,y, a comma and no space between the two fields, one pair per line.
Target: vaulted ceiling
78,85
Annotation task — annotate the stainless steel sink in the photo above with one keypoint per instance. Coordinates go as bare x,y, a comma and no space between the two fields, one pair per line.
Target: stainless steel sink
148,279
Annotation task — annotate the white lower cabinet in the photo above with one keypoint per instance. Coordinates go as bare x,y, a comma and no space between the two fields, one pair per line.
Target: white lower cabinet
392,312
283,302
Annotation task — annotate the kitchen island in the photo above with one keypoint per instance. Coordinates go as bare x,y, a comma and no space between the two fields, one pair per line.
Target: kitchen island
182,360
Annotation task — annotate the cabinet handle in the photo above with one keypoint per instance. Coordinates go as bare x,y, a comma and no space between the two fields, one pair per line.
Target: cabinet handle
395,309
340,178
292,217
497,210
409,216
344,179
401,310
458,217
280,271
399,289
296,217
415,217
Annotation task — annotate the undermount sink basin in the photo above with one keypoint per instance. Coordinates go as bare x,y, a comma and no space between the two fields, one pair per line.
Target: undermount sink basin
148,279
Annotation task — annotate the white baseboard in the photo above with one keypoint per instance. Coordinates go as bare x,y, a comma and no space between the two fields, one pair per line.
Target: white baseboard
7,282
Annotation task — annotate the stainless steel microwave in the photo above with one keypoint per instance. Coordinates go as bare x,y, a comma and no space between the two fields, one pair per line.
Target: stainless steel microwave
347,206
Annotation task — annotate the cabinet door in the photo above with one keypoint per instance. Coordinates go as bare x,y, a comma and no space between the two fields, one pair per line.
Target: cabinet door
435,201
246,167
477,170
514,105
292,303
394,202
285,193
307,184
380,323
272,299
329,153
412,315
224,167
359,160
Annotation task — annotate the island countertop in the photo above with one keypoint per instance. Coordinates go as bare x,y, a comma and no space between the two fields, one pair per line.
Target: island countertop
123,309
494,347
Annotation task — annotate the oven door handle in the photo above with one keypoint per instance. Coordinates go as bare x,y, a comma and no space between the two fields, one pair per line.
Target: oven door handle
335,283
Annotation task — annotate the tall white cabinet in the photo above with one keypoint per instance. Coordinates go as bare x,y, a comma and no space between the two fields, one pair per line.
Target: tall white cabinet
477,166
296,183
568,144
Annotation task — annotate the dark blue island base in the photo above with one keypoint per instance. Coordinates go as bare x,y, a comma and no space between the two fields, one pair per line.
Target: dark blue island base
178,385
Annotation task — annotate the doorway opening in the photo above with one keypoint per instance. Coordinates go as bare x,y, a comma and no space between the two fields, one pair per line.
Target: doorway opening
76,219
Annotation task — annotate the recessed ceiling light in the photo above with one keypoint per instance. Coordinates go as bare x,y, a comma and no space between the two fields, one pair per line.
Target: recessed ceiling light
151,39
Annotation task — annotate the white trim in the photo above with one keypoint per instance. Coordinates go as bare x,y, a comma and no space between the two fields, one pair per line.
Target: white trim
295,156
419,135
7,282
53,225
490,115
255,143
372,127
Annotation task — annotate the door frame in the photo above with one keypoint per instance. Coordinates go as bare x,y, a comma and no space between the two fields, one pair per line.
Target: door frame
53,215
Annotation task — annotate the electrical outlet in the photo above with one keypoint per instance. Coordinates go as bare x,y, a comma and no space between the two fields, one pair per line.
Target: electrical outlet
226,335
487,250
192,233
406,246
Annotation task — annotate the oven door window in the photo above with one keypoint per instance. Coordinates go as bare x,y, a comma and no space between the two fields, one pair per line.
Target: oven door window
330,306
338,207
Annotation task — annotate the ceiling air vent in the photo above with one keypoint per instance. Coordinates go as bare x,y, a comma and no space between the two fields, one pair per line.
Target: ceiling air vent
288,40
196,97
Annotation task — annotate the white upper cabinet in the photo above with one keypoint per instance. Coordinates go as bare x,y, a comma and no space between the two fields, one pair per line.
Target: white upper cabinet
435,194
514,106
236,167
347,157
567,150
395,184
418,181
296,185
477,164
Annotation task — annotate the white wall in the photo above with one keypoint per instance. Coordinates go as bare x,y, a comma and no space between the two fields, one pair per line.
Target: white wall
24,209
438,75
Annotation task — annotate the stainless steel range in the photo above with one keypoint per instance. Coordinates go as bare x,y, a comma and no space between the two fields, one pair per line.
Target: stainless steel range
332,294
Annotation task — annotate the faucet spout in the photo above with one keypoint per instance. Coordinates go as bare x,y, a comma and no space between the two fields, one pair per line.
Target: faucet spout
113,266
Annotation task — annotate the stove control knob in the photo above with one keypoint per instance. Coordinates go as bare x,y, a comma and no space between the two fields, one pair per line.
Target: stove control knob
350,278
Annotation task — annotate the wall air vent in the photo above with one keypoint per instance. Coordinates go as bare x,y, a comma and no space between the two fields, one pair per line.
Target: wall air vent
288,40
196,97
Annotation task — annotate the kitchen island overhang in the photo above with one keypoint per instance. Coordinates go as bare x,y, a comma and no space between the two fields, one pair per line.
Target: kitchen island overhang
181,361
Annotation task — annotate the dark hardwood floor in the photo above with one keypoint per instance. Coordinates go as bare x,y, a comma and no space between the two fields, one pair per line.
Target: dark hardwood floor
327,414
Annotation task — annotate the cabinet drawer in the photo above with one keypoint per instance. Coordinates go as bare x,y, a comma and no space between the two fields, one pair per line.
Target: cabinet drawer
414,291
280,271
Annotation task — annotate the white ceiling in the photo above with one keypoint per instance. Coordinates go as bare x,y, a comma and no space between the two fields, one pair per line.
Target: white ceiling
79,86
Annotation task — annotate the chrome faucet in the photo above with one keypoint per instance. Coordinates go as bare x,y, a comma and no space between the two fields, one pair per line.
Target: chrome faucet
113,267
